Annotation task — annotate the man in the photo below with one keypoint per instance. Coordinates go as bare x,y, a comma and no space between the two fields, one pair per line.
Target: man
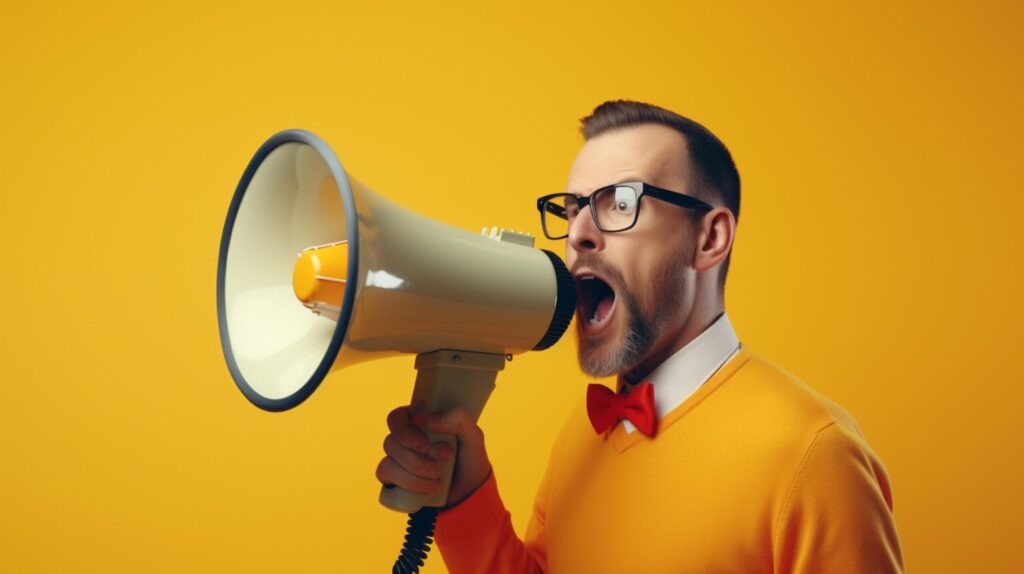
732,466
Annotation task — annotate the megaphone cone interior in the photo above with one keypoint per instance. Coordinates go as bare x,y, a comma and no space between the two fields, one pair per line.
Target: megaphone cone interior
317,271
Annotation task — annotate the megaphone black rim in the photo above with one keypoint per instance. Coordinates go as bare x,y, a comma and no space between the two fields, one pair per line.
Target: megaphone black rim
351,222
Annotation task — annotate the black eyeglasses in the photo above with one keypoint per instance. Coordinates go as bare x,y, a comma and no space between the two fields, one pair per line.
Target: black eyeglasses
614,208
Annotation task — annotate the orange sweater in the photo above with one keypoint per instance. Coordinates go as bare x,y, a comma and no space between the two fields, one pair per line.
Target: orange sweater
755,472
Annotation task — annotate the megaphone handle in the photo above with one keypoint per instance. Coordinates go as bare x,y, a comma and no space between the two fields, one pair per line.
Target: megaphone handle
445,380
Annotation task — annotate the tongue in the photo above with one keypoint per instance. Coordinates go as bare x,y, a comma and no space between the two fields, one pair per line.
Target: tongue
603,307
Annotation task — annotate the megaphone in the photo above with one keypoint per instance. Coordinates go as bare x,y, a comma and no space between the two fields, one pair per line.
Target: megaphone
318,272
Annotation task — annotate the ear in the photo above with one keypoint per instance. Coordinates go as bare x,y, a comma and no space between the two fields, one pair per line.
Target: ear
716,231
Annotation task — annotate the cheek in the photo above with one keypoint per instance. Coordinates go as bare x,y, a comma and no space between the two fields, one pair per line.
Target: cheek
670,226
654,276
665,249
638,275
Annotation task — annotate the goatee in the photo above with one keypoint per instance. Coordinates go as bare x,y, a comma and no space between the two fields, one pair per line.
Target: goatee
643,326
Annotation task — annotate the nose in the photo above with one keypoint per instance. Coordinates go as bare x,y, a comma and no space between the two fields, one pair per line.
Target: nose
584,236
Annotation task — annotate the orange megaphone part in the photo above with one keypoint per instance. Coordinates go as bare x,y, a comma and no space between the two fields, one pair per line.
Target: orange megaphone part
319,274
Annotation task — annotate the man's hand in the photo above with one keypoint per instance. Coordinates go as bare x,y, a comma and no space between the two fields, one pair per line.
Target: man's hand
413,463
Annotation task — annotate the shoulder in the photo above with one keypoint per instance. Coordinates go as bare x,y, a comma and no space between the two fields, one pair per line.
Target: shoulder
832,494
824,451
788,426
776,397
837,511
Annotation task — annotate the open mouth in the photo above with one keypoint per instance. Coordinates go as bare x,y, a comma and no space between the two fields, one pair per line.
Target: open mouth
596,303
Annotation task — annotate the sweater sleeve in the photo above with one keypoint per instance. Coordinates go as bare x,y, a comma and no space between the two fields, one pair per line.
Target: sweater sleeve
837,515
477,535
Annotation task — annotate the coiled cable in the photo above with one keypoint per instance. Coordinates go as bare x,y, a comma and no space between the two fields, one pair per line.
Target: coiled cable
418,537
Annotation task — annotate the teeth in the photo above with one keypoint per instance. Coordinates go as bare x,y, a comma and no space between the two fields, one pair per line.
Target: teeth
593,319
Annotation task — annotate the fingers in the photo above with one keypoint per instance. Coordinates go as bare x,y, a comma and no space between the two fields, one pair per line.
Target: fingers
389,472
414,464
459,423
406,433
442,451
411,461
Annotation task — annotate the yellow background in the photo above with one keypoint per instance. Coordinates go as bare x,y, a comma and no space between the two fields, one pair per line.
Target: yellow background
878,252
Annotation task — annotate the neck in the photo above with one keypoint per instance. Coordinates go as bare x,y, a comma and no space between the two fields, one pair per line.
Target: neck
700,318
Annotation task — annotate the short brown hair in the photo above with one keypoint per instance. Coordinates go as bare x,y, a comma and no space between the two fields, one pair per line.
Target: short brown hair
717,180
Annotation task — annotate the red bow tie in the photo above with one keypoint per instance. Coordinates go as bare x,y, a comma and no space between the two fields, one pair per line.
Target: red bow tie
605,408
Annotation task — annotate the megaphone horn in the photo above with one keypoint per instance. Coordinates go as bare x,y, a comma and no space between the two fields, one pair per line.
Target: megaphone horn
317,272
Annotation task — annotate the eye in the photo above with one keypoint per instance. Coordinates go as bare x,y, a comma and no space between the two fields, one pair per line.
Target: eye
625,200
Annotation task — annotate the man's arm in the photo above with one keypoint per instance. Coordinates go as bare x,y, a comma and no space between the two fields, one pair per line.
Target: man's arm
837,513
477,535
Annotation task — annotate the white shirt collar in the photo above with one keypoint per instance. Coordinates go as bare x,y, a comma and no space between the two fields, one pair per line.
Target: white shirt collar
680,375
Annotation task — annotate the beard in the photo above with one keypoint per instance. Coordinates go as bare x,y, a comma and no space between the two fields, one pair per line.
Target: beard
644,325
